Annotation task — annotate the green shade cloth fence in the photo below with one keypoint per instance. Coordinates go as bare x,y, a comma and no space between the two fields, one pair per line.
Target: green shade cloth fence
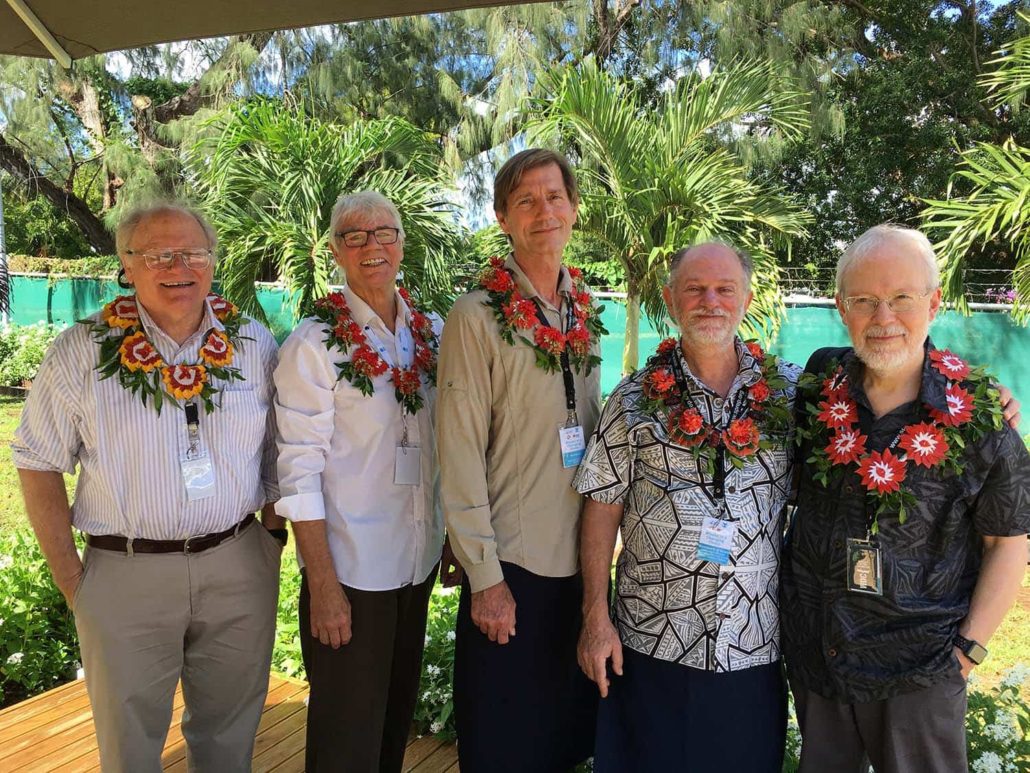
983,337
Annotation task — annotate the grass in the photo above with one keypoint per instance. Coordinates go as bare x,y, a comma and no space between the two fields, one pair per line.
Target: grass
1009,645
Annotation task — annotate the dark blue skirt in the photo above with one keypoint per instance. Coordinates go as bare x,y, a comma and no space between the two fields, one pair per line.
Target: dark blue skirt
524,706
661,717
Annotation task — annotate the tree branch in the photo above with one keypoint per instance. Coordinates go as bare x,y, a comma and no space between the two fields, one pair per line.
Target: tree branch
14,162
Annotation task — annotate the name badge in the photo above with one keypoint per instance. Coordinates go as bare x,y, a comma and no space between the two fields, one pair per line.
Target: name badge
199,477
717,538
864,571
407,470
573,445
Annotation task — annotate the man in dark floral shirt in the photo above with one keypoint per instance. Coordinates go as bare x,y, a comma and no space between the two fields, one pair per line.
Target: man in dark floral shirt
908,545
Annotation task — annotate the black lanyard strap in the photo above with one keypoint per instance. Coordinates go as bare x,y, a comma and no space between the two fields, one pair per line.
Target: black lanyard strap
566,368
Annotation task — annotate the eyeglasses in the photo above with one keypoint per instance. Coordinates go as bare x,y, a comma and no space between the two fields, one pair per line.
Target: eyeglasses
195,260
866,305
359,238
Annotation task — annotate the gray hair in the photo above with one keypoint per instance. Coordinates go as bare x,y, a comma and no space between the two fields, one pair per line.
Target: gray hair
876,237
130,221
746,263
362,203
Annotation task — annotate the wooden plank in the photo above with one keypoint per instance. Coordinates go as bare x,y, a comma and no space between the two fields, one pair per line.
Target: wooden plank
40,719
418,749
294,764
439,761
47,740
30,706
282,751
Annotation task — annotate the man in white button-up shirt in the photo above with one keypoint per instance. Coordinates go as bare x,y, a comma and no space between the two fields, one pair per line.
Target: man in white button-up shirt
358,480
177,581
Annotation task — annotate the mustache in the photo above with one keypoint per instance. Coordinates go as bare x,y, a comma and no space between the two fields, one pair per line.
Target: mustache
884,331
714,312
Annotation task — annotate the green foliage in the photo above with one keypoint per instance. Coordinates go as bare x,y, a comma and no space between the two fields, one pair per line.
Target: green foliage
269,178
22,350
286,657
34,226
93,266
998,725
434,712
38,644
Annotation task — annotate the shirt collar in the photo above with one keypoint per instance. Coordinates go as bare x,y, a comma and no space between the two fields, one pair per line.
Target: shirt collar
932,387
160,339
526,287
363,314
749,370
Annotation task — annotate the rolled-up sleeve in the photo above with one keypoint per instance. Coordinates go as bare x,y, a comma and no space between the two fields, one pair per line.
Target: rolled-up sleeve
604,475
304,410
48,437
463,410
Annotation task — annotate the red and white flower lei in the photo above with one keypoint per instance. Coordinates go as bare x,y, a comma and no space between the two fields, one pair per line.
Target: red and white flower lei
364,364
934,444
126,351
768,415
517,316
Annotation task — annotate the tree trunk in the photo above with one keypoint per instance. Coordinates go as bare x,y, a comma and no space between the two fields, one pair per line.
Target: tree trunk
19,167
631,343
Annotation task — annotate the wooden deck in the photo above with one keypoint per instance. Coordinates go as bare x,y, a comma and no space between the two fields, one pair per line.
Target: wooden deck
54,732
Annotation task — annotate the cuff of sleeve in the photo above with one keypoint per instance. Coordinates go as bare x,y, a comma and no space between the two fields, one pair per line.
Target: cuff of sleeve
27,461
485,575
309,506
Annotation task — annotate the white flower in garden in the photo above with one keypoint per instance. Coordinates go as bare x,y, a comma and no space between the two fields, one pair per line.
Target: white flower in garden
989,762
436,727
426,696
426,642
1015,676
1004,728
6,562
451,636
15,658
433,670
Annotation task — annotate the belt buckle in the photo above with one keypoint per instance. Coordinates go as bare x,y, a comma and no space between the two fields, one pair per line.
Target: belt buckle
186,547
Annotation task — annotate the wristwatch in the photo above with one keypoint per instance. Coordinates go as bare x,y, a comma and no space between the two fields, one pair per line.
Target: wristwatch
973,650
280,534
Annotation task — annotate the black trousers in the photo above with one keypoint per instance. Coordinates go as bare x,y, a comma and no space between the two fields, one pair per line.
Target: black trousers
524,706
363,694
661,717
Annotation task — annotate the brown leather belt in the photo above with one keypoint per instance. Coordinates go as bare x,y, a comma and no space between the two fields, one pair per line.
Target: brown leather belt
188,546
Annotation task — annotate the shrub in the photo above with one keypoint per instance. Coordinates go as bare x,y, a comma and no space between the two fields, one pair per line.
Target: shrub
94,265
22,350
38,645
435,710
286,656
998,725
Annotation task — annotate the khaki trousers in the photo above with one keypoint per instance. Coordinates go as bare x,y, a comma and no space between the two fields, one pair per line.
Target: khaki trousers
148,620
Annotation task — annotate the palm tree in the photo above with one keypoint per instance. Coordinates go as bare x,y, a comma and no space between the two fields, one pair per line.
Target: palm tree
998,204
268,176
657,177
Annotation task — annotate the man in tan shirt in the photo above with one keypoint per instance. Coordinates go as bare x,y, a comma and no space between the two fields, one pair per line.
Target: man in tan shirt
519,389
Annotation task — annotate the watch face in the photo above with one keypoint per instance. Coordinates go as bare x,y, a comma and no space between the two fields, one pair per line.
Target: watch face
976,653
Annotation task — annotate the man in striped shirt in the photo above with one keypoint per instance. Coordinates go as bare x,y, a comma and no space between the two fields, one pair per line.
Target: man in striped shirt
177,581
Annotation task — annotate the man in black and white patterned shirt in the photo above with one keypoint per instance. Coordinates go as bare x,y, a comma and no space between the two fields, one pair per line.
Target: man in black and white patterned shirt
696,634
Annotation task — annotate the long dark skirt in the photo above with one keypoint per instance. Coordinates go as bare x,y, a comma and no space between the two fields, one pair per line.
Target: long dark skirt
524,706
661,716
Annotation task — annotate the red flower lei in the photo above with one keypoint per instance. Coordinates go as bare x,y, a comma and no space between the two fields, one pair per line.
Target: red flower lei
934,444
516,316
768,414
365,364
126,351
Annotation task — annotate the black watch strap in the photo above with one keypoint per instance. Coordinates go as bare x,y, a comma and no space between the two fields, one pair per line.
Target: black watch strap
973,650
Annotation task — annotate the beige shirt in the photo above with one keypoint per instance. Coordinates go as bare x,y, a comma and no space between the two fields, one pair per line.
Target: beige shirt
505,494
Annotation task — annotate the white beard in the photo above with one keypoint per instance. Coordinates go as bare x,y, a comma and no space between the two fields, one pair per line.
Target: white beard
888,358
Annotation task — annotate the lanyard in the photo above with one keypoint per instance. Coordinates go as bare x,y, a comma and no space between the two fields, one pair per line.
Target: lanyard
566,369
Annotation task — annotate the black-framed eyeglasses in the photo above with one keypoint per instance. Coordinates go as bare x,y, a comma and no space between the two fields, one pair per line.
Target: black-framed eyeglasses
195,260
357,237
866,305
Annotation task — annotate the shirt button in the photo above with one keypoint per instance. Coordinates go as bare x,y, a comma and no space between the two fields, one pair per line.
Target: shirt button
838,544
725,575
832,652
732,489
849,489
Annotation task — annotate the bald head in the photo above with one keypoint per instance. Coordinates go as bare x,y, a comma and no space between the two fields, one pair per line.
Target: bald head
710,250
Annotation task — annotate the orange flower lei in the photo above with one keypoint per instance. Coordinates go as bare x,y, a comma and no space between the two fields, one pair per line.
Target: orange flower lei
365,364
516,314
139,367
837,441
768,414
